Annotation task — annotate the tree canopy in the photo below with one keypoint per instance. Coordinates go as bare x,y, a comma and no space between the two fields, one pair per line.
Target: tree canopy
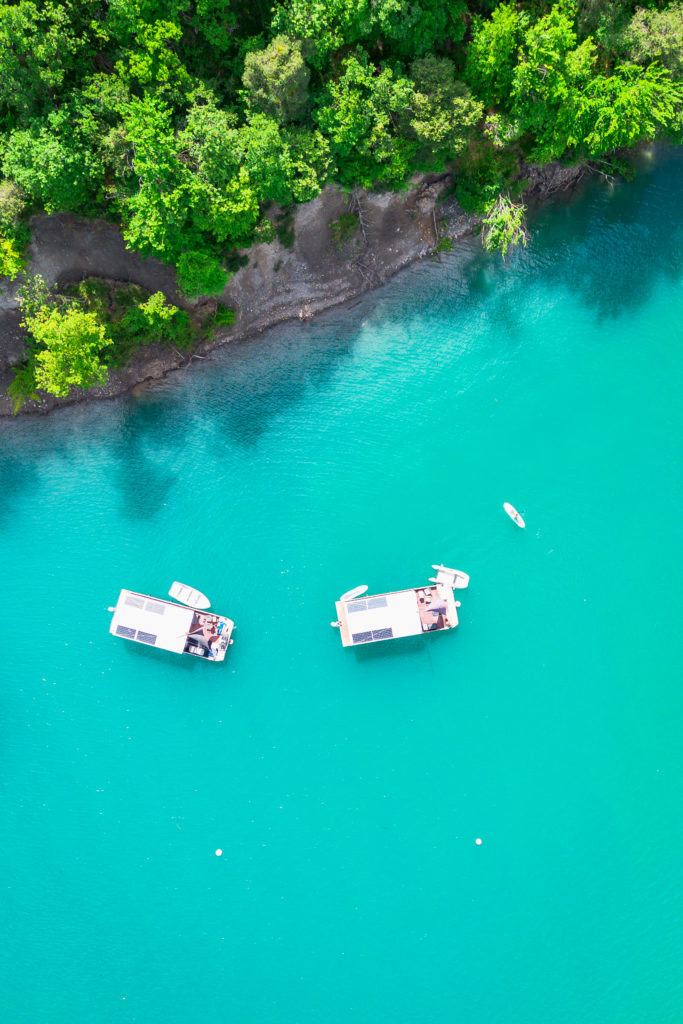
184,120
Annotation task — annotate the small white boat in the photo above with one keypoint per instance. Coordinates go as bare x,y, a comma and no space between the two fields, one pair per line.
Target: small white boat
453,578
351,595
514,514
187,595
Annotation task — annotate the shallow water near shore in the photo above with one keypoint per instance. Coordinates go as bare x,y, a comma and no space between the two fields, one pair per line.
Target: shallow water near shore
346,788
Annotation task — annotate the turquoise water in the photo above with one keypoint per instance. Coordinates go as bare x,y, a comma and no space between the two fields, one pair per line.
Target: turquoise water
347,788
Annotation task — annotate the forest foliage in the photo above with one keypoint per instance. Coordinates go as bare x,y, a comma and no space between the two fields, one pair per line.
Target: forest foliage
185,120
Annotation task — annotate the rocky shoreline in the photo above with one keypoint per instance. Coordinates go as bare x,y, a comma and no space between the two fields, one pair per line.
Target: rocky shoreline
320,270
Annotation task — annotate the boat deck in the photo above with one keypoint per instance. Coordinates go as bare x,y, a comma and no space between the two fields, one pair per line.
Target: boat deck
170,626
396,614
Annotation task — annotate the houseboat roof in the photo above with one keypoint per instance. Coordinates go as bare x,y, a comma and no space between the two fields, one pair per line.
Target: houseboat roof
396,614
170,626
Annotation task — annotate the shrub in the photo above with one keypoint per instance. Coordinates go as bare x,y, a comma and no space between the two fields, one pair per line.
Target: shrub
223,316
344,228
23,385
199,273
154,322
12,260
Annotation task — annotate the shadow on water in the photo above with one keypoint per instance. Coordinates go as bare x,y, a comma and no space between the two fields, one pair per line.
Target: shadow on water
139,653
146,451
610,245
18,477
262,378
613,247
399,648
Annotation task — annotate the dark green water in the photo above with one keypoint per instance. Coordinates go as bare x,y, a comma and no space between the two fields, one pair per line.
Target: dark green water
346,789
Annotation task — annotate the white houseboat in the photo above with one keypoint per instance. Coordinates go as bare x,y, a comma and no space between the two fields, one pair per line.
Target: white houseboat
179,628
398,613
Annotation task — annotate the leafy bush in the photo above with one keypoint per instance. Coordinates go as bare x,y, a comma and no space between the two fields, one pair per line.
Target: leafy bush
12,260
133,318
344,228
221,317
482,173
23,384
199,273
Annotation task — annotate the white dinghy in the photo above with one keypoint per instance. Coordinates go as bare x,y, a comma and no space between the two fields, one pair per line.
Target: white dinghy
514,514
187,595
453,578
351,595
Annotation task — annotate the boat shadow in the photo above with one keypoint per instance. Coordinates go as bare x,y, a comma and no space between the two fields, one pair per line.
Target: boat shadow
398,648
184,663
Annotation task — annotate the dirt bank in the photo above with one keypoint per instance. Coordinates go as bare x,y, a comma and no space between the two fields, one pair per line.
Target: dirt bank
322,268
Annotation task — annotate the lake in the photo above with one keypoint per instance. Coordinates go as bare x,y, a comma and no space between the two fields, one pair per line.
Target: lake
346,788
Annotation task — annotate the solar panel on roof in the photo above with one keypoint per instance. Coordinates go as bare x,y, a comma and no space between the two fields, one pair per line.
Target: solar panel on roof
377,602
125,631
382,634
146,638
362,638
356,606
155,606
137,602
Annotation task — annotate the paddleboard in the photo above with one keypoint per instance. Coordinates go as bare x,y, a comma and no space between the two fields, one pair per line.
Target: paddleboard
514,514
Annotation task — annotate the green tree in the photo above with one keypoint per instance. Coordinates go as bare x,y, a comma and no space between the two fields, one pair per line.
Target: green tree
359,114
12,205
225,201
413,28
548,81
443,114
57,161
159,212
69,344
632,104
276,80
404,28
492,54
219,23
310,160
155,321
656,35
37,48
153,66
